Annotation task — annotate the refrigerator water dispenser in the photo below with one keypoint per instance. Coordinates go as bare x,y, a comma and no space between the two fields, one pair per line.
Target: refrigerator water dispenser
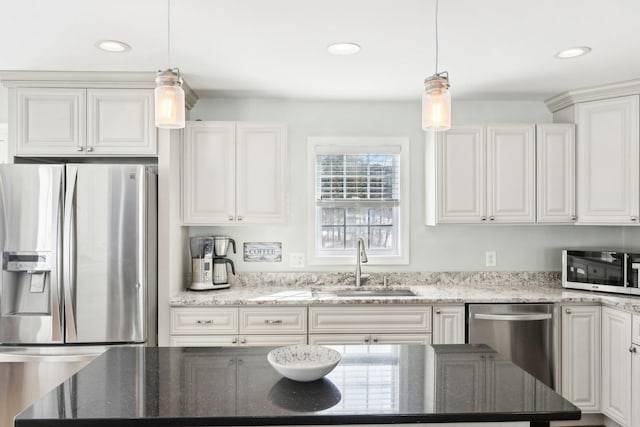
26,283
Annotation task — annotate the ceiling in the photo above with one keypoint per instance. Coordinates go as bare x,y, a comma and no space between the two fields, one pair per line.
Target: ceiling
493,49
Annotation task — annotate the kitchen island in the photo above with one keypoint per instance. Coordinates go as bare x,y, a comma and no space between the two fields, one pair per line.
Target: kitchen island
385,384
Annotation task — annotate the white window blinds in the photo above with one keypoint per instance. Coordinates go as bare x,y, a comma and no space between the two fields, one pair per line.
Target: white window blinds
365,179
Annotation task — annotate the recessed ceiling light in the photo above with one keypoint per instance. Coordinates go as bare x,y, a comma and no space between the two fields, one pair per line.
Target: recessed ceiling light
343,48
113,46
573,52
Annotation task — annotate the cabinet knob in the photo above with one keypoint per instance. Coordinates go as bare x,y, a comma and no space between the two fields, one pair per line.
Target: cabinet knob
204,322
634,218
632,349
484,218
243,340
567,310
273,322
366,340
491,218
234,341
375,340
89,148
79,148
240,218
437,311
230,217
574,218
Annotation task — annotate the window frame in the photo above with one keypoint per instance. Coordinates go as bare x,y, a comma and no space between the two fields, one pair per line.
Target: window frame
361,144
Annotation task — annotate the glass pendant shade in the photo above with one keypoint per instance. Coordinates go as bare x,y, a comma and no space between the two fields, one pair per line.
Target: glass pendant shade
436,104
169,100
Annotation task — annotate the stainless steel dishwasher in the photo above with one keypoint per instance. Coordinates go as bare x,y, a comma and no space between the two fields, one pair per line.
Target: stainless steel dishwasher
522,332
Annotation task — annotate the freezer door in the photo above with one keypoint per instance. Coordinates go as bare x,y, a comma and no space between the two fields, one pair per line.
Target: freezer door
105,259
30,218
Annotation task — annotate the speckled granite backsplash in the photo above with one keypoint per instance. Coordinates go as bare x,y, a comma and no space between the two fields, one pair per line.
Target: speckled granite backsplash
441,279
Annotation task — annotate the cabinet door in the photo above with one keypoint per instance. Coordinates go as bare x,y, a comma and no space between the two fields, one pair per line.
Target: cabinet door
607,165
120,122
448,324
616,365
555,144
208,171
461,175
581,356
261,173
50,121
511,184
462,386
635,384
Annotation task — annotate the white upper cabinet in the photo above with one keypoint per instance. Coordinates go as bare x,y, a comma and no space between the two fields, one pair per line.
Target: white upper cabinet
120,121
556,183
80,122
482,174
208,173
50,121
511,164
461,176
608,161
234,173
261,150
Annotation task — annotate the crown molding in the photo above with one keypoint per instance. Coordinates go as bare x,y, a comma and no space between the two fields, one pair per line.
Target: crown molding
89,79
566,99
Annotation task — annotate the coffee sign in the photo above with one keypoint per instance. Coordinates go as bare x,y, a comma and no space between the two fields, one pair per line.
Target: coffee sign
263,251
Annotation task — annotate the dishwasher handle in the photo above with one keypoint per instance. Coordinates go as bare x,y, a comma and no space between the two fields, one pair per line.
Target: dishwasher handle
513,317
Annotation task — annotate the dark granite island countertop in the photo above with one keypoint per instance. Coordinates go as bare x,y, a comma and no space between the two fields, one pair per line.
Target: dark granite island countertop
381,384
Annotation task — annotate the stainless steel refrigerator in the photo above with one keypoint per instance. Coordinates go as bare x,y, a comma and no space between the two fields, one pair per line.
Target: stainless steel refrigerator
79,262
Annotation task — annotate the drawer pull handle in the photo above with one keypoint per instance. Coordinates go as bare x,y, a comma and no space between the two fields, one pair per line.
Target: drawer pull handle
273,322
234,341
438,312
375,340
568,311
243,341
632,349
366,340
204,322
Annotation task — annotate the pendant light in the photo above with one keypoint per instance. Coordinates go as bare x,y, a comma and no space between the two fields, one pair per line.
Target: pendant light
436,99
169,95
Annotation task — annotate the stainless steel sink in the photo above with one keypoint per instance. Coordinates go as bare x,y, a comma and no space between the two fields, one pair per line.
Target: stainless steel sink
367,293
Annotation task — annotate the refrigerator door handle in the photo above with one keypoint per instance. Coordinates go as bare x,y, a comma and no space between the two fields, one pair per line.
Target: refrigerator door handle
141,284
57,332
69,257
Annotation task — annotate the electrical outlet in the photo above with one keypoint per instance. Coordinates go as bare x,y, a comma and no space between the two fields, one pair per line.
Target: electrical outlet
490,259
296,260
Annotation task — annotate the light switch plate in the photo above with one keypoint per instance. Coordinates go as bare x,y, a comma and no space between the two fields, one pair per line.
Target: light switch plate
296,260
490,259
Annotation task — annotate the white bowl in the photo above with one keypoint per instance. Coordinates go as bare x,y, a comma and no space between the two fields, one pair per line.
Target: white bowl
304,362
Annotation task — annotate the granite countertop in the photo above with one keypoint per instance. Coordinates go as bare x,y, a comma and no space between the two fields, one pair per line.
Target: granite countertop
170,386
430,288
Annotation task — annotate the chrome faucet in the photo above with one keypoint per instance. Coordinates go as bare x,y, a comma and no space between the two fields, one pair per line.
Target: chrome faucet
361,257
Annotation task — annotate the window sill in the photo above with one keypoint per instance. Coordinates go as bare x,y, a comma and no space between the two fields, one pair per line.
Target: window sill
351,260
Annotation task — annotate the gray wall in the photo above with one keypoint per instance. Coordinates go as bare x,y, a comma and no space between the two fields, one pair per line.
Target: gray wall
440,248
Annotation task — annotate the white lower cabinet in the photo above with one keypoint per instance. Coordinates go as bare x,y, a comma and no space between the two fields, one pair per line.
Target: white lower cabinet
448,324
634,349
233,326
580,346
616,365
370,325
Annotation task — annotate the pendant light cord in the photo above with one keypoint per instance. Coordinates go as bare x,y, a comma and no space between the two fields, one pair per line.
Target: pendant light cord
436,37
169,34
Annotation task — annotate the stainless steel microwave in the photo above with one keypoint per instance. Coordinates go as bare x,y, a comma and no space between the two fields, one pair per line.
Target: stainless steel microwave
605,271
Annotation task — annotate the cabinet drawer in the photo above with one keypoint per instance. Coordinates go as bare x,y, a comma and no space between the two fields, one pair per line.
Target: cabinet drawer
203,340
272,340
376,319
635,329
189,321
273,320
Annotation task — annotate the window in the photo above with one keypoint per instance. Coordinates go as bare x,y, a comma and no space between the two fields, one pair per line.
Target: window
358,191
